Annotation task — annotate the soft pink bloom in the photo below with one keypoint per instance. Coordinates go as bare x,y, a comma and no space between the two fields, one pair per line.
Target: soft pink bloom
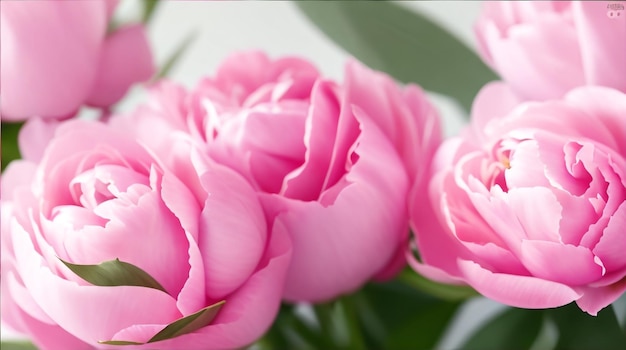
545,48
57,56
530,208
332,163
95,195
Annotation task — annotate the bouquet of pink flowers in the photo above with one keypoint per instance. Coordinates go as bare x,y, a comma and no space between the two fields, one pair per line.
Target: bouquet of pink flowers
272,206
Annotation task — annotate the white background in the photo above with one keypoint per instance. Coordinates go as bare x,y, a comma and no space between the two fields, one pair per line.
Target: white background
278,28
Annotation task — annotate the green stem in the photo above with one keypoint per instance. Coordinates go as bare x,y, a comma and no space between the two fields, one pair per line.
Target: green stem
443,291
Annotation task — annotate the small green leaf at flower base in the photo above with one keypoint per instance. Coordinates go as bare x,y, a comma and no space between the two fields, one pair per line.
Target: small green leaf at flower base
189,323
114,273
119,342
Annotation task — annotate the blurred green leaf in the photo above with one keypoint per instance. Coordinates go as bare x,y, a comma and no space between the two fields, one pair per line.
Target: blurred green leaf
440,290
424,330
171,62
579,330
289,331
512,329
114,273
189,323
339,323
10,148
405,44
17,345
396,316
149,7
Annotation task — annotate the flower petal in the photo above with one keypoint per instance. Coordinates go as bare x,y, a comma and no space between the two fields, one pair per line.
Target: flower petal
125,59
519,291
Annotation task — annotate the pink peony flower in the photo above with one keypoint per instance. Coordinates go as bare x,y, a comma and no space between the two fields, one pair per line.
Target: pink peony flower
332,163
545,48
530,208
96,195
57,56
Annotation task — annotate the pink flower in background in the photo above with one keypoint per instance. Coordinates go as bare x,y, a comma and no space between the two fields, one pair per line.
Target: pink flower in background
96,195
530,208
332,163
545,48
57,56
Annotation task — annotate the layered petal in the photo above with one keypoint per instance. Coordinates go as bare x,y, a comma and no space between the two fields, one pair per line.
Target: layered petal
125,59
46,45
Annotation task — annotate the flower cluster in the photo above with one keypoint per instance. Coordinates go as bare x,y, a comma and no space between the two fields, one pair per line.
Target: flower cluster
184,223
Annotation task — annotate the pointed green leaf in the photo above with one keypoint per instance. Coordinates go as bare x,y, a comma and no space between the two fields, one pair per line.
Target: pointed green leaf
403,43
512,329
114,273
579,330
175,57
10,149
119,342
189,323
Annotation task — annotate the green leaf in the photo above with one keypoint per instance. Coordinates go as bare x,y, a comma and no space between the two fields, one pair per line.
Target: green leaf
119,342
579,330
431,322
175,57
290,331
17,345
394,314
443,291
405,44
189,323
114,273
149,6
512,329
10,148
184,325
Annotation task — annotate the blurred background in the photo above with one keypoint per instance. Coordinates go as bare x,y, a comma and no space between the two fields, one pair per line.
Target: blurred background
279,28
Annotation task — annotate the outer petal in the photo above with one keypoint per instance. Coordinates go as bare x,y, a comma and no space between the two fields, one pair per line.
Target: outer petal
125,59
563,263
520,291
34,137
494,100
339,246
596,299
46,45
50,337
603,43
66,302
406,117
233,231
541,60
247,314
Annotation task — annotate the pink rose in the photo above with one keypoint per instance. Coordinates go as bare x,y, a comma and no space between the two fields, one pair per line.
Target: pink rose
96,196
531,210
332,163
57,56
545,48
